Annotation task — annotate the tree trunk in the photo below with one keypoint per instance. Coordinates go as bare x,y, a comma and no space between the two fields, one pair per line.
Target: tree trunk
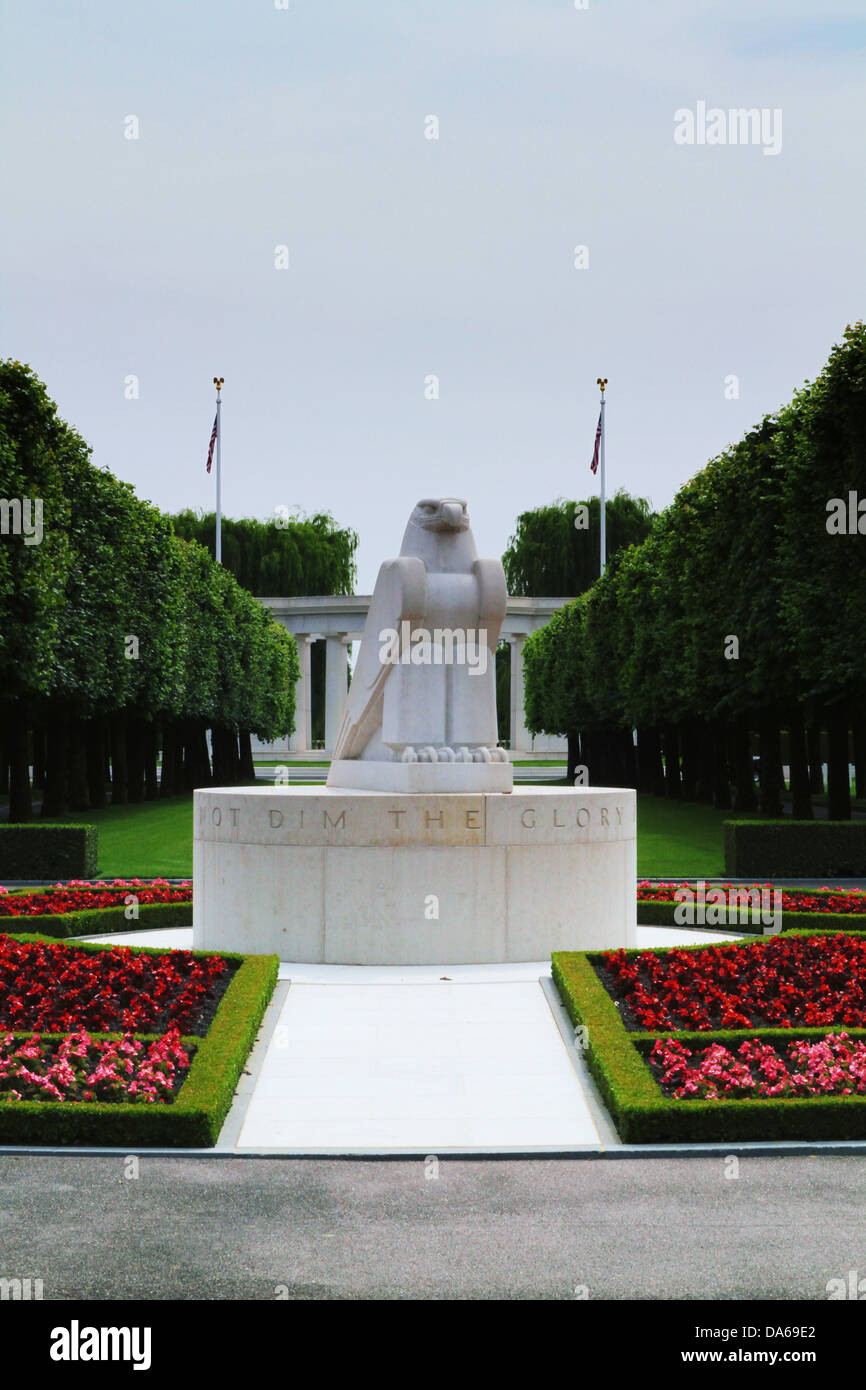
688,748
801,796
187,743
838,777
721,772
197,772
673,785
95,745
151,781
169,758
178,760
858,725
744,772
225,757
219,756
613,757
649,769
134,760
119,796
771,764
20,802
629,753
79,793
704,758
610,770
38,739
816,762
55,800
247,766
573,757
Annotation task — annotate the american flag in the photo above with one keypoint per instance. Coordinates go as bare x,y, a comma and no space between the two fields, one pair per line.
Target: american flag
593,465
213,439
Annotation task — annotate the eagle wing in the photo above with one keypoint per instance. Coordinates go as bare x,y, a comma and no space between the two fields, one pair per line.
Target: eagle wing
400,594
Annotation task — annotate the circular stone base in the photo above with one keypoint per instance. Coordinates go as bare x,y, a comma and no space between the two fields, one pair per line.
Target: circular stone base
333,876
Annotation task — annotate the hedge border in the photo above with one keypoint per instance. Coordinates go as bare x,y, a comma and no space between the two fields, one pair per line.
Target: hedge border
640,1110
102,920
97,921
195,1117
653,913
774,848
74,853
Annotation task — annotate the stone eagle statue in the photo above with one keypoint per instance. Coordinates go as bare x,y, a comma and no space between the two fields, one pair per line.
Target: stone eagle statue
424,685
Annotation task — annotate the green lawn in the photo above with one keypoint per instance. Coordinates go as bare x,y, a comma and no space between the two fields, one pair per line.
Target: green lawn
150,840
679,839
275,762
155,839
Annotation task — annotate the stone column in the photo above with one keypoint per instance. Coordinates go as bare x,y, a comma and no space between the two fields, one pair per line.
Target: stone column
521,740
302,737
336,677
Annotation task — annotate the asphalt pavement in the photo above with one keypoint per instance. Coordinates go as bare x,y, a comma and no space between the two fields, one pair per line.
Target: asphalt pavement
253,1229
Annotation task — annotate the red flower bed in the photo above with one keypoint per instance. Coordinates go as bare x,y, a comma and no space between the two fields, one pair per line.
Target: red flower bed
783,981
50,986
839,899
79,1069
831,1066
79,894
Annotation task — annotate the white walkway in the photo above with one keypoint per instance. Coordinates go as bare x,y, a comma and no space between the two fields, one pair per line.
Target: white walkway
431,1058
433,1066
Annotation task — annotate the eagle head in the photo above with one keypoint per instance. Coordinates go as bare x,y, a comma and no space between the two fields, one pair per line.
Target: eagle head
441,514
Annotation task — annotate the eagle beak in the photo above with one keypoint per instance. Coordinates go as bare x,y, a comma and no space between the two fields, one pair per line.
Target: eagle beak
452,515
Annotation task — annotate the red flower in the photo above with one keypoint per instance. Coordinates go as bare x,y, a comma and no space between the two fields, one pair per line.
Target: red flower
79,895
56,987
781,981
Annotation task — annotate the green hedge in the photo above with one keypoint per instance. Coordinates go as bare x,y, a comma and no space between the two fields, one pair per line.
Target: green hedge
196,1116
97,921
661,914
798,849
640,1110
42,850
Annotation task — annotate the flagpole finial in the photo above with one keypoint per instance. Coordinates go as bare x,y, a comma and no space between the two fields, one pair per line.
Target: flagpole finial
602,382
218,382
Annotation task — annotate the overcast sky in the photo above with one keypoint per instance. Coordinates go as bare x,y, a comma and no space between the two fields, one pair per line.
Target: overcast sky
304,127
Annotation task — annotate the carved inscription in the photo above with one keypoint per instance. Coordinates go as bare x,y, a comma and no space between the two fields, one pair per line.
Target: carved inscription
410,821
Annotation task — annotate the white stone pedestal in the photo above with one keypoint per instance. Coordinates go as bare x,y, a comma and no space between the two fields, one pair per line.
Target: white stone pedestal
357,775
330,875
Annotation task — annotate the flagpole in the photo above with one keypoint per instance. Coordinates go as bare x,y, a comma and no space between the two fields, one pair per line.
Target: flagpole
602,382
218,383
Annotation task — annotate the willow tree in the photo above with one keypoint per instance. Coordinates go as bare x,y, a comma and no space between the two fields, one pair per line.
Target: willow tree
283,557
555,549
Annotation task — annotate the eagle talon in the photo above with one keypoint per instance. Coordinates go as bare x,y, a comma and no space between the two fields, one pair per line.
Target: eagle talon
498,755
463,755
447,755
481,754
409,755
427,754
